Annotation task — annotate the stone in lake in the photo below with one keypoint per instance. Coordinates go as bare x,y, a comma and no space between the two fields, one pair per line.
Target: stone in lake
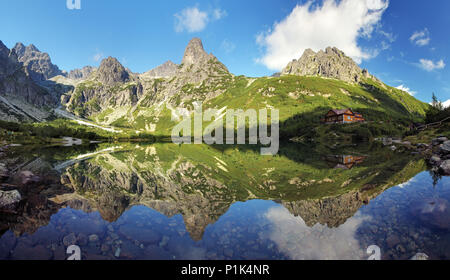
420,257
434,212
444,168
93,238
9,199
69,240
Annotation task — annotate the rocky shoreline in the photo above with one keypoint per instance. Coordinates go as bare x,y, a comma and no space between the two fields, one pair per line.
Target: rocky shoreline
437,153
440,159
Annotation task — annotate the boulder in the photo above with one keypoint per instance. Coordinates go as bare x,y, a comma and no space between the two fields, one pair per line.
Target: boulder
9,199
435,160
420,257
4,172
439,140
444,168
28,177
422,146
445,148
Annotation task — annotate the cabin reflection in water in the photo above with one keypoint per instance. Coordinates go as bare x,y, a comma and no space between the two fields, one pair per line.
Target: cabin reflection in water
344,161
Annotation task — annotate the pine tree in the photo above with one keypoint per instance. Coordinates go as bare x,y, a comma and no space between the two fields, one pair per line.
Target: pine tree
436,103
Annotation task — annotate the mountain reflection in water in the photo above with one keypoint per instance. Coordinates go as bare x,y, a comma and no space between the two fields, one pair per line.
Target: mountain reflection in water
166,201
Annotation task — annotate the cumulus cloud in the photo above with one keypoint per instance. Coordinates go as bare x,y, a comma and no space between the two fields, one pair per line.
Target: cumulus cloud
192,19
430,65
334,23
421,38
406,89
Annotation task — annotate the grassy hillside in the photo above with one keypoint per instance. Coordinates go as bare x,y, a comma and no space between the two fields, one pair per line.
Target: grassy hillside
301,101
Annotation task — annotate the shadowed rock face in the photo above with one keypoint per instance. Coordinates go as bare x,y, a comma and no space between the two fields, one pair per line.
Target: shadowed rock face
331,63
37,64
20,97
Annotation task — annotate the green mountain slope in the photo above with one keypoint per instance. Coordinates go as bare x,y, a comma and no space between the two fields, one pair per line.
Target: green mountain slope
147,103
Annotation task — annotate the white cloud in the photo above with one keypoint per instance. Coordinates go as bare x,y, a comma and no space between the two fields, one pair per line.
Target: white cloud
339,24
446,103
406,89
389,36
192,19
421,38
219,14
228,46
430,65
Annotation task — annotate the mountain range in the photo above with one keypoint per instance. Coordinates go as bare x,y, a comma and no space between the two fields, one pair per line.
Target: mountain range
32,87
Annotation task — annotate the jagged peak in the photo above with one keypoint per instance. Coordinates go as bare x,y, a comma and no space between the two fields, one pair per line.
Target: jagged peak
166,70
20,48
194,52
111,71
330,63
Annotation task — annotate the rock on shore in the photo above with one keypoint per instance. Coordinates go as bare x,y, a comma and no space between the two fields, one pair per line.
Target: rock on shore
9,200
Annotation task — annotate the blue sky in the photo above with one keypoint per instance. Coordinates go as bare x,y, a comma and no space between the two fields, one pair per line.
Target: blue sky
404,43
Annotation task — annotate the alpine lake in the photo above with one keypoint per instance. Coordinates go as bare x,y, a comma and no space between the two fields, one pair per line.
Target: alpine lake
164,201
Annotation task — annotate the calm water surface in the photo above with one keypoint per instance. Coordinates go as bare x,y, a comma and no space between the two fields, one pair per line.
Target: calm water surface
163,201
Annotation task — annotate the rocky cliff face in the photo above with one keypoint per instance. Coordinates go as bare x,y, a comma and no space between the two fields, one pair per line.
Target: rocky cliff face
81,74
21,99
112,72
166,70
199,65
200,76
110,86
37,64
331,63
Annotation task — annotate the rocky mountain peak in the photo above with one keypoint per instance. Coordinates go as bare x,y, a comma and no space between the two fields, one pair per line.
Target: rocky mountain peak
111,71
81,74
166,70
197,65
8,61
331,63
38,64
194,52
